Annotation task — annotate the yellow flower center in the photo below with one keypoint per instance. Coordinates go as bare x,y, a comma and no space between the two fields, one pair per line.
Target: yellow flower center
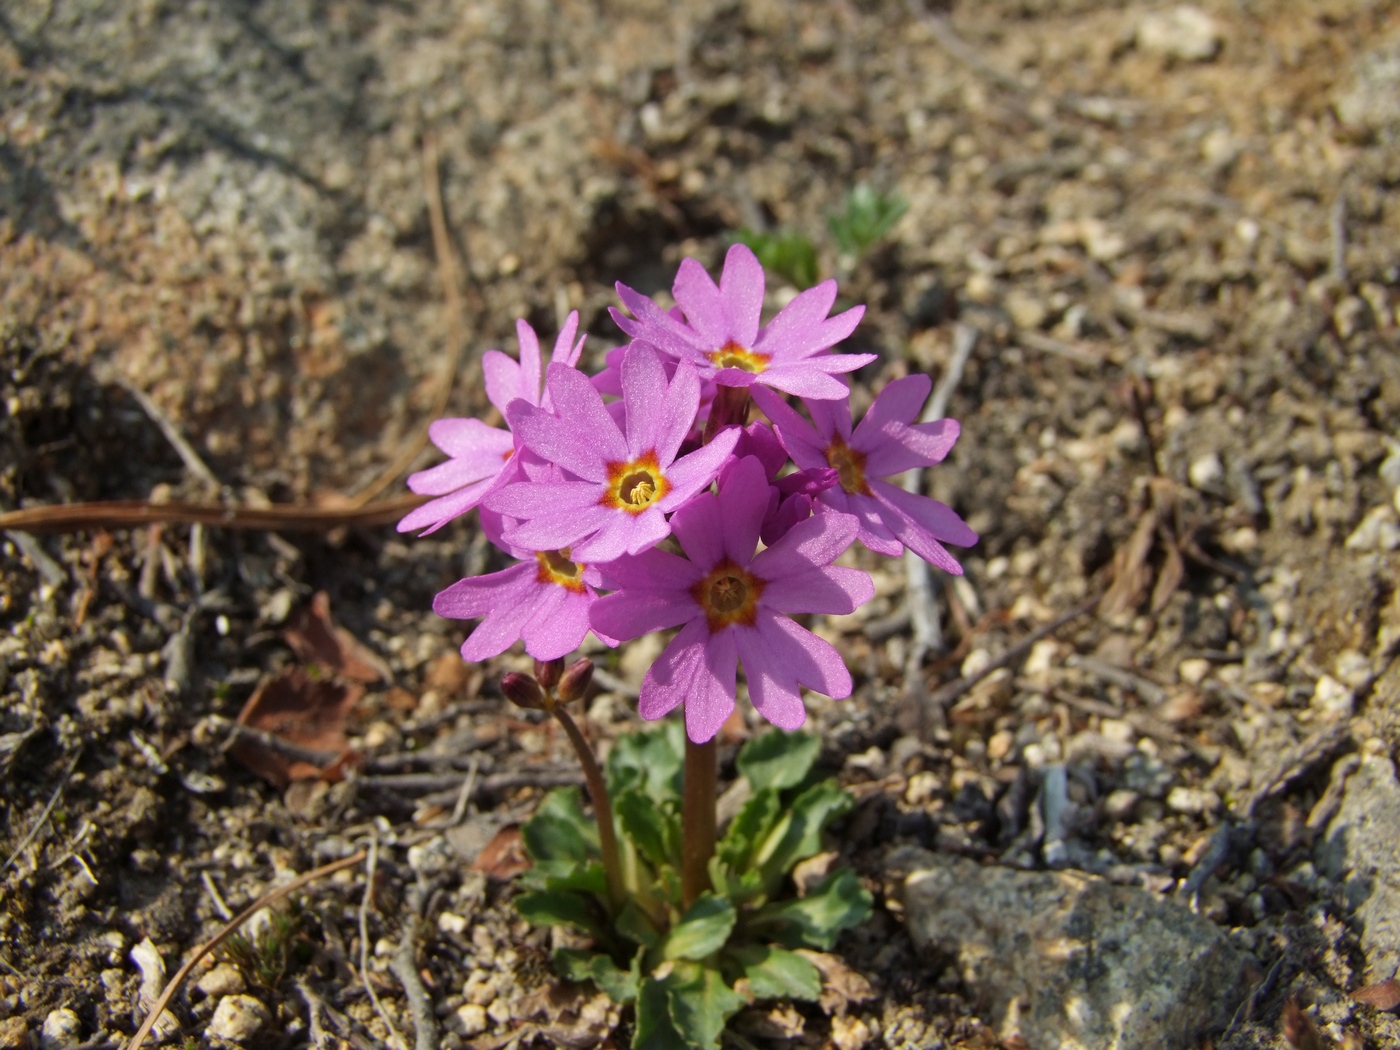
732,355
555,567
850,466
729,595
635,486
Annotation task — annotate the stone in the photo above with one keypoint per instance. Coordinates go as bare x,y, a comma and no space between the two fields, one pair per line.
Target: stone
1184,32
222,980
1377,531
14,1034
472,1018
1331,700
237,1019
62,1028
1370,99
1362,851
1071,961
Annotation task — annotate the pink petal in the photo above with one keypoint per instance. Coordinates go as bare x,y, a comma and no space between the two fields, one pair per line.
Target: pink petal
651,570
631,614
809,383
834,590
873,532
899,447
564,442
898,402
477,595
504,382
832,417
649,409
809,544
655,326
689,474
699,670
742,503
806,447
620,533
531,366
704,309
699,528
796,319
558,626
454,474
921,523
759,440
436,513
576,401
681,406
462,438
566,351
780,657
741,289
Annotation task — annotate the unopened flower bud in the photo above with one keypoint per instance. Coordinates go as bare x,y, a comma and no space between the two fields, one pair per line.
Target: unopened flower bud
547,673
524,691
574,684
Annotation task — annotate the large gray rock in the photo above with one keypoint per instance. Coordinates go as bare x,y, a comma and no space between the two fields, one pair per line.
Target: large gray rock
1068,961
1362,848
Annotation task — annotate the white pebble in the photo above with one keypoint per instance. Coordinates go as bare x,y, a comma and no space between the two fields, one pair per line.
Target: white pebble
1193,670
1206,472
220,981
61,1029
1331,700
1184,32
472,1018
1195,801
237,1018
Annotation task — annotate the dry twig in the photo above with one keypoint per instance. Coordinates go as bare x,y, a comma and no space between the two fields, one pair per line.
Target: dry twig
370,864
269,898
425,1033
44,816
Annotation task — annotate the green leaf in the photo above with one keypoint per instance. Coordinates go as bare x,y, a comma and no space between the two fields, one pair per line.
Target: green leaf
560,908
653,827
619,984
650,760
783,251
655,1030
778,759
702,931
746,888
774,973
836,903
632,922
752,826
700,1003
567,875
799,834
868,216
560,830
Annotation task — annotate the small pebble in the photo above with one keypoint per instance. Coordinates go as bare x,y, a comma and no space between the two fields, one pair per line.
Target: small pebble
238,1018
1119,804
61,1029
450,922
1194,801
1377,531
1331,700
499,1011
1000,745
1206,472
472,1018
1193,671
14,1034
220,981
1183,32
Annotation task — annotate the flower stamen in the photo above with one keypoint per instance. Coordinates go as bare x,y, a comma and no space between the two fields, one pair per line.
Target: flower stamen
732,355
850,466
728,595
557,568
637,485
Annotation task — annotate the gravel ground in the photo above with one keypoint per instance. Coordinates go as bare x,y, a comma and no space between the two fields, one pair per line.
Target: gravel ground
1174,236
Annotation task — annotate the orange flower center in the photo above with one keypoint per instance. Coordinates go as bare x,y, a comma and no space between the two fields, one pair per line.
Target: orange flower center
635,486
729,595
732,355
555,567
850,466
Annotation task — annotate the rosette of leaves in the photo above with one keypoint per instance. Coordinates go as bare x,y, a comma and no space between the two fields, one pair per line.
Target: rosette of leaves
687,970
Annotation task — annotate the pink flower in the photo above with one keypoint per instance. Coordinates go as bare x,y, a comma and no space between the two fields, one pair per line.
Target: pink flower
481,457
722,337
628,482
545,600
887,442
731,603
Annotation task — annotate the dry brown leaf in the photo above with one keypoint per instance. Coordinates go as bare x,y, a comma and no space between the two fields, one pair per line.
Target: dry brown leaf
306,713
316,639
1131,573
1299,1029
841,985
1169,578
504,856
1383,996
1181,706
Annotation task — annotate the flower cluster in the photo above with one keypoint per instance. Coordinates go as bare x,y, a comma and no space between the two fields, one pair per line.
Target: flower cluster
590,476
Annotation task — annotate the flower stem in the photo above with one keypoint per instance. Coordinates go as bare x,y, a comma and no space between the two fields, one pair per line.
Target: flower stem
698,818
602,808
